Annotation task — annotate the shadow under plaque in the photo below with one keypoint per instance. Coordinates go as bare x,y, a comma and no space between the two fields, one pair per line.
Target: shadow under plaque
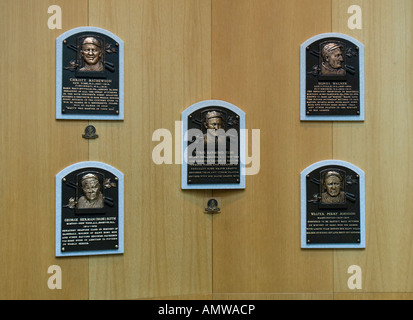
89,75
89,210
213,146
332,206
332,78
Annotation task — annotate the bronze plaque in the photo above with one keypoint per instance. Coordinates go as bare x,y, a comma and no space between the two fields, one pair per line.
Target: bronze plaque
89,75
332,78
333,205
89,210
213,146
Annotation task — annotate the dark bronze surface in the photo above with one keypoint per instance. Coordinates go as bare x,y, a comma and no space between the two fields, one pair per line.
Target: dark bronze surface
217,127
332,78
90,211
90,133
212,206
90,75
333,206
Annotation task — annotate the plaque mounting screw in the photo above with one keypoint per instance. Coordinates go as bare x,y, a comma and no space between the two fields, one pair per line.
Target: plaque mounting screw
64,41
63,249
116,246
64,179
117,111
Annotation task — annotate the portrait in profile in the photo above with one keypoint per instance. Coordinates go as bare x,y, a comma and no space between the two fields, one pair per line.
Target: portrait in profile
333,188
92,194
332,56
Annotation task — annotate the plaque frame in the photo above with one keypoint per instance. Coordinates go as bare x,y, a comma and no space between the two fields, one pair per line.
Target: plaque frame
303,180
184,170
303,77
59,76
59,205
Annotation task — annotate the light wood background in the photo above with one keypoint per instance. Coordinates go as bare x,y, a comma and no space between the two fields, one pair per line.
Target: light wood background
178,52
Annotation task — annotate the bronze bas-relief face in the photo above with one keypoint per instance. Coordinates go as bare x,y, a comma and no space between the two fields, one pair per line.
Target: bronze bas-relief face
213,122
332,59
333,186
91,189
92,195
91,53
335,59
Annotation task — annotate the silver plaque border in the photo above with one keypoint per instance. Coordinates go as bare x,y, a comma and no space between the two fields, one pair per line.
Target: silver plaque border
303,68
59,74
58,223
303,178
184,169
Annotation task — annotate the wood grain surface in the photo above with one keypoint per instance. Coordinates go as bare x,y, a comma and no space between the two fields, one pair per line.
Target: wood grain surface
255,52
381,146
168,238
177,53
34,148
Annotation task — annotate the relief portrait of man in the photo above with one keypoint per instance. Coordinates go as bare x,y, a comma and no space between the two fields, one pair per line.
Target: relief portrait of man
92,195
333,61
214,120
92,55
332,185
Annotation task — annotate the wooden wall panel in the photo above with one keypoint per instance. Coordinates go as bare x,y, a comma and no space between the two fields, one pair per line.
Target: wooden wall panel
178,52
34,148
168,238
255,65
273,296
382,145
373,296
